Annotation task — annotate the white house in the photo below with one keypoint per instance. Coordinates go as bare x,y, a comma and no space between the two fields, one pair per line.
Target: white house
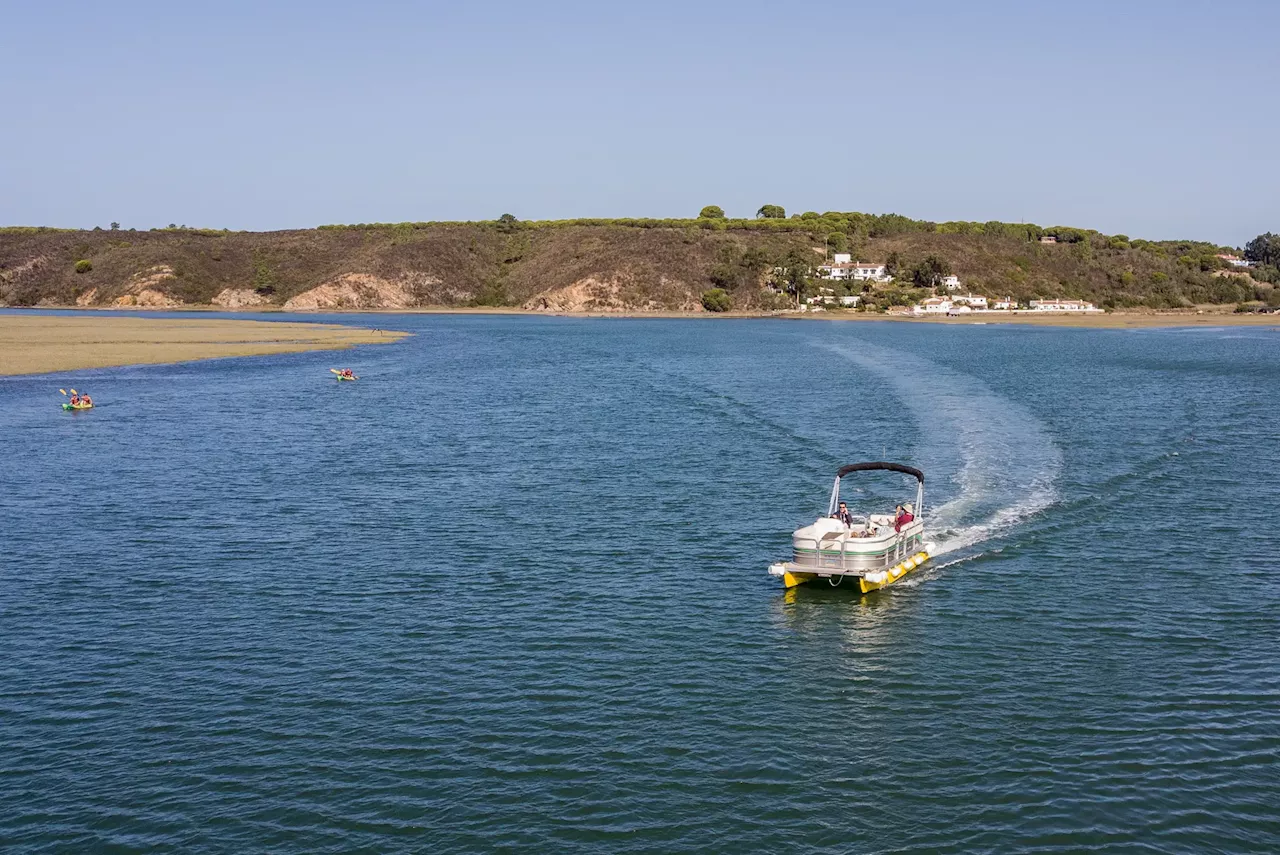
1008,304
850,300
842,268
1062,306
1235,260
973,301
932,306
871,272
951,283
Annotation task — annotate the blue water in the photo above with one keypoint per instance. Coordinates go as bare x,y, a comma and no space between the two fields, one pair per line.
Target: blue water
508,593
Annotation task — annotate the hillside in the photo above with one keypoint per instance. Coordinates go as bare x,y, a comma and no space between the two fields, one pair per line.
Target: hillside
597,265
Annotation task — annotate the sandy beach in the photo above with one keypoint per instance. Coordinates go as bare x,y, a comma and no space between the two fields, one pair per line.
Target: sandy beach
37,344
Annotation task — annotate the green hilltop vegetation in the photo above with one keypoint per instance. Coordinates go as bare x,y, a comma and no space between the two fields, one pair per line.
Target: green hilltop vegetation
710,262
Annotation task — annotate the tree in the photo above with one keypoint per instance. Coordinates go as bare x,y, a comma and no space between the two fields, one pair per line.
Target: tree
716,300
930,272
838,241
793,275
1264,249
115,227
771,212
893,263
508,223
711,212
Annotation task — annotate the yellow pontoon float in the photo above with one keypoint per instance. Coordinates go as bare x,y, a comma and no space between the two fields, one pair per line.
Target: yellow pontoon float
874,551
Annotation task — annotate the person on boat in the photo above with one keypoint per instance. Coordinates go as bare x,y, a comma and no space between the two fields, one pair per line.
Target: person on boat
905,516
75,399
347,372
86,401
843,515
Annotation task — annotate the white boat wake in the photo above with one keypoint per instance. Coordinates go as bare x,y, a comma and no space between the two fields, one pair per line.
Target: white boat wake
1000,458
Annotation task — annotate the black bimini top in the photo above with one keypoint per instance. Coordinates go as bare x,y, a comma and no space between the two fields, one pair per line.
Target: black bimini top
892,467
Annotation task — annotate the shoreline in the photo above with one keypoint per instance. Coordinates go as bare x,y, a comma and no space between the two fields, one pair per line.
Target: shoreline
46,344
1205,317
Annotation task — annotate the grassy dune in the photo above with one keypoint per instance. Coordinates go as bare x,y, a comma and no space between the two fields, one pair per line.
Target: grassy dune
36,344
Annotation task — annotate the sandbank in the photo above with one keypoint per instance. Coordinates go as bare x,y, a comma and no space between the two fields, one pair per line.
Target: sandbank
38,344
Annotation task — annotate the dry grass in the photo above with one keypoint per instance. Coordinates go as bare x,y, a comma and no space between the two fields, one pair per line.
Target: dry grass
36,344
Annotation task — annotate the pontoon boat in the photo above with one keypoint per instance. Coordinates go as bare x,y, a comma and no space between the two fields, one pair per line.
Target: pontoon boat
876,550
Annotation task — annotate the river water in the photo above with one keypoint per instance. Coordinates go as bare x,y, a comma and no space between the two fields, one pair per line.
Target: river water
508,592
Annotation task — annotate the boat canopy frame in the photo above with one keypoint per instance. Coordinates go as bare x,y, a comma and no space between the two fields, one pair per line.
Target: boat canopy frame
875,466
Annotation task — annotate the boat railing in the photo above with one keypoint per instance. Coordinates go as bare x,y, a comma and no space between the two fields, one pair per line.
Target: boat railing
830,552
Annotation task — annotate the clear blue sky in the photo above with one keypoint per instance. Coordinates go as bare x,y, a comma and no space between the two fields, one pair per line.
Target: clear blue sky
1154,119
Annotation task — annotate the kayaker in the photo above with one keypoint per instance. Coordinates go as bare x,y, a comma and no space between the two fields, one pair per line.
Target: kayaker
75,399
905,516
86,401
347,372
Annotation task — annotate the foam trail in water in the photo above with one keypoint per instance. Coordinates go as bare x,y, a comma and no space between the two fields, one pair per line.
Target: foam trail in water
1001,458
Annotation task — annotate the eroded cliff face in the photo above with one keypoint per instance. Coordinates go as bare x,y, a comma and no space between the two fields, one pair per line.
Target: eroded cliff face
240,298
616,294
363,291
146,289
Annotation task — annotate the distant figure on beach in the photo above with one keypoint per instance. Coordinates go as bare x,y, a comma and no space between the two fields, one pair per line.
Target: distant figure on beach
844,516
904,517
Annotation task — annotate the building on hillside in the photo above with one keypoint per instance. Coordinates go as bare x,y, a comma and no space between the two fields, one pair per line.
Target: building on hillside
1062,306
1235,260
850,300
973,301
932,306
1008,304
853,270
951,283
1048,239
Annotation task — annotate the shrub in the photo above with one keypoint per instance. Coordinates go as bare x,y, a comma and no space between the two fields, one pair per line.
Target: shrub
711,212
84,265
716,300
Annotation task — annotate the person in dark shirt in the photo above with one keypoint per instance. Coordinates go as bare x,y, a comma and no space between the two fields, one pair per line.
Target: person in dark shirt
843,515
